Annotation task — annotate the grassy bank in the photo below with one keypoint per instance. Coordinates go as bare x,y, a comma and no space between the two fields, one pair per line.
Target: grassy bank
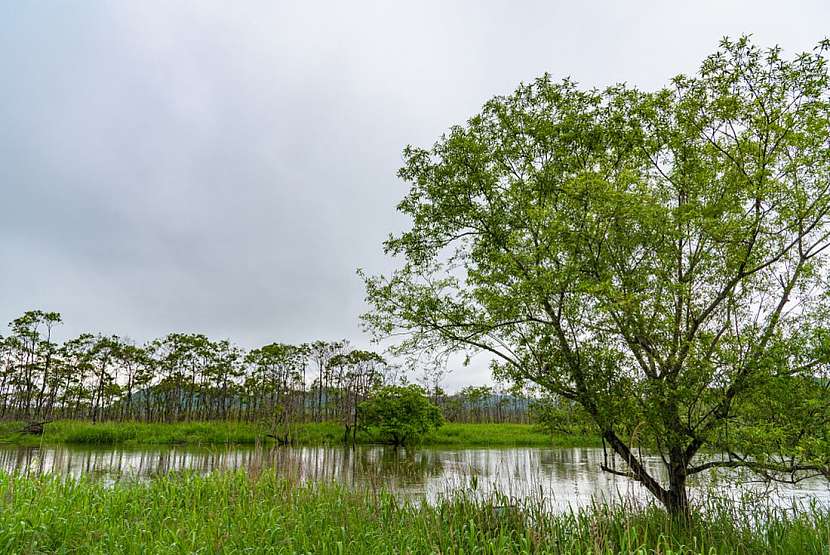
246,433
503,435
233,513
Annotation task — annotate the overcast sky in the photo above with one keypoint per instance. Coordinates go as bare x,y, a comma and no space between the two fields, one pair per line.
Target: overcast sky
224,167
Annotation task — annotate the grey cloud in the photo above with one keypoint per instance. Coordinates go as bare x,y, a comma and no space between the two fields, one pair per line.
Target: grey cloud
225,167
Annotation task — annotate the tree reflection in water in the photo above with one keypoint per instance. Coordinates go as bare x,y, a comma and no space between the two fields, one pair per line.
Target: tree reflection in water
564,477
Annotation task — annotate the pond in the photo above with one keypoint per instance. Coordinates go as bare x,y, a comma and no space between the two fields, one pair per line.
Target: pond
563,477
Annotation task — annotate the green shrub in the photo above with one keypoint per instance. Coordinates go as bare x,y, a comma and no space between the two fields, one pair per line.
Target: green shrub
399,414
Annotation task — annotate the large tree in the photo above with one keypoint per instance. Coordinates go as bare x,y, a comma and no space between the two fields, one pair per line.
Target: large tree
657,257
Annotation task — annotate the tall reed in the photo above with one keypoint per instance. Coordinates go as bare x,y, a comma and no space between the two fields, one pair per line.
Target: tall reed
237,513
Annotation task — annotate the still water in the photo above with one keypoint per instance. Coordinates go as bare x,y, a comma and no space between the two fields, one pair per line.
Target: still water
563,477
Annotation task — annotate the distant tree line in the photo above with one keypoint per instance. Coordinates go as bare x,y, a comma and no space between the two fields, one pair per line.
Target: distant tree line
484,404
178,377
184,377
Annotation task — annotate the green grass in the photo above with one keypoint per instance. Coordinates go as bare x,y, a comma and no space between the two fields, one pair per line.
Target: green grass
235,513
503,435
247,433
134,433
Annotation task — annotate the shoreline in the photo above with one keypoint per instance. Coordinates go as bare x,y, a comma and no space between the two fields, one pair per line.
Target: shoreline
216,433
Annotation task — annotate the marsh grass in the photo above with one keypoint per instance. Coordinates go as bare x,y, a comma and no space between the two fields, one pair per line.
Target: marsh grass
248,433
238,513
119,433
504,435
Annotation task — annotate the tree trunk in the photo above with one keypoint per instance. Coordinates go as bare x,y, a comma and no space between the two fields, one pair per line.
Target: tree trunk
677,500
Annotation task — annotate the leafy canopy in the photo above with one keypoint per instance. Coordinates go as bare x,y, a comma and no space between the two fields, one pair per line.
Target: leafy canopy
399,414
657,257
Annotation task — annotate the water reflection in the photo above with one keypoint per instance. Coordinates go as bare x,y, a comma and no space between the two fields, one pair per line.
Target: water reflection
563,477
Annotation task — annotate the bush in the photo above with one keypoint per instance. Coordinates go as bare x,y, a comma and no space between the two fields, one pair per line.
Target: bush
399,414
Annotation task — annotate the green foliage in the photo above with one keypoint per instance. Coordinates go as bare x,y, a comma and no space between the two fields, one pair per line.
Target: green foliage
400,414
179,377
234,513
660,258
561,416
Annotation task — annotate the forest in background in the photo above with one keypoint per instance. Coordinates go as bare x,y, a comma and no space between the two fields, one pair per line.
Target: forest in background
186,377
